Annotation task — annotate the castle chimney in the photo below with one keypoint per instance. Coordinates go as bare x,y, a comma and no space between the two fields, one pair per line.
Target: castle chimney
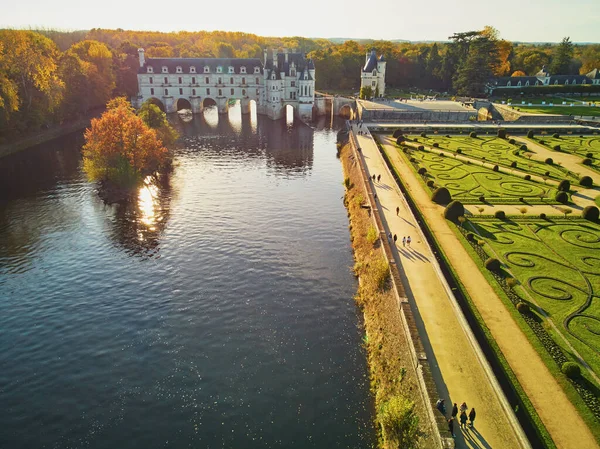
275,58
285,51
141,55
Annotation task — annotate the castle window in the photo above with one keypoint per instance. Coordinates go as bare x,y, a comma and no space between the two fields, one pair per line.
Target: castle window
257,92
231,80
219,69
192,69
180,91
508,84
232,91
193,80
206,69
166,80
219,80
566,82
230,69
243,80
256,69
149,69
293,84
220,93
208,91
293,72
178,69
244,92
194,92
374,72
555,82
537,83
180,80
207,80
373,83
150,80
273,76
519,84
165,69
242,69
257,81
527,83
152,91
166,91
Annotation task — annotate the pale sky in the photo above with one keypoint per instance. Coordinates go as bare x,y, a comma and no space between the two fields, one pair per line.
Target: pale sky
517,20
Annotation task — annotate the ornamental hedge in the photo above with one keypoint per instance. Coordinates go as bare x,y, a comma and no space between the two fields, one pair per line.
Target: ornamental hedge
590,213
441,195
492,264
571,370
564,185
454,210
586,181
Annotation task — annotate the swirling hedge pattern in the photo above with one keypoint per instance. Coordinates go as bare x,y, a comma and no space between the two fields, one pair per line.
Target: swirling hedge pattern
574,144
558,264
468,182
493,150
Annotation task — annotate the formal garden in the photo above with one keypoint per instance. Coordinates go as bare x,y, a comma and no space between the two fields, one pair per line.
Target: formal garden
548,267
587,147
504,152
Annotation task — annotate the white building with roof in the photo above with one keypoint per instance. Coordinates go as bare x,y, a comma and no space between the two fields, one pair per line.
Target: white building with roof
282,79
373,74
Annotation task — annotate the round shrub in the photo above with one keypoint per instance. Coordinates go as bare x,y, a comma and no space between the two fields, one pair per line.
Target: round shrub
397,133
556,147
523,307
556,135
473,134
492,264
458,151
513,164
422,171
527,177
415,140
442,154
470,237
549,161
589,155
587,161
441,195
511,141
590,213
586,181
495,168
562,197
430,183
564,185
423,135
542,142
412,159
502,133
523,147
500,215
547,173
571,370
454,210
420,148
400,140
522,200
530,134
482,199
436,144
448,135
543,216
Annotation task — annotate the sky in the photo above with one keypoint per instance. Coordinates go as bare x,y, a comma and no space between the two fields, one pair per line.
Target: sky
516,20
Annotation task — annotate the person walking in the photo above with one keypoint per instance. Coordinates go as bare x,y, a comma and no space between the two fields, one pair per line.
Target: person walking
454,410
451,427
472,416
408,240
374,176
463,407
395,238
378,178
404,241
441,405
390,236
463,420
397,210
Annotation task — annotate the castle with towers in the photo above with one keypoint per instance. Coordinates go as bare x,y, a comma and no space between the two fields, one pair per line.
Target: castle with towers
372,74
281,79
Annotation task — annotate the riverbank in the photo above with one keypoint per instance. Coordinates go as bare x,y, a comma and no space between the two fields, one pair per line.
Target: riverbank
394,382
49,134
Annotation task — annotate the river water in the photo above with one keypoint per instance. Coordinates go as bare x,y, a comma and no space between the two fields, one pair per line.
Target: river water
214,312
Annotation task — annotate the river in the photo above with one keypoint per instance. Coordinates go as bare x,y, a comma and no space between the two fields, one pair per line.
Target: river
215,312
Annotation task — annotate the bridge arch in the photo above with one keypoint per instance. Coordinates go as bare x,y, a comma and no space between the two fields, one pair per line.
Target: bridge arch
183,103
157,102
346,111
208,102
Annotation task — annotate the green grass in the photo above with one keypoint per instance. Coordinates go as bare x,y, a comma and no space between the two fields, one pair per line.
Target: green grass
560,110
558,267
496,151
580,146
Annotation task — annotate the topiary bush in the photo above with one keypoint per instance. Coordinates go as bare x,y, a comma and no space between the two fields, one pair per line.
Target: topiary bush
502,133
556,135
495,168
397,133
586,181
587,161
530,134
512,141
589,154
590,213
423,135
571,370
473,134
422,171
470,237
458,151
527,177
547,173
564,185
542,142
562,197
543,216
549,161
441,195
430,183
482,199
523,307
513,164
492,264
436,144
400,139
556,147
523,147
500,215
420,148
412,159
454,210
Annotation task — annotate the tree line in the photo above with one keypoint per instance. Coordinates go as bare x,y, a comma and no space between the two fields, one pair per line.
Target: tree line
49,76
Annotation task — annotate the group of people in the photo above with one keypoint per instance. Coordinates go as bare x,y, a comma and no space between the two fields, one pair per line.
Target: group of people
463,417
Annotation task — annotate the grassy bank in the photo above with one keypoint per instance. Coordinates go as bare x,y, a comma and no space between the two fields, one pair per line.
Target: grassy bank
400,416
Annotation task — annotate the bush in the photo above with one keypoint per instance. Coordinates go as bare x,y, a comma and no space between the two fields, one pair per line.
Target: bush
586,181
556,147
400,139
513,164
454,210
372,235
492,264
436,144
397,133
511,141
502,133
423,135
547,173
530,134
571,370
420,148
442,154
523,307
562,197
564,185
470,237
549,161
441,195
422,171
430,183
495,168
473,134
556,135
500,215
542,142
543,216
482,199
412,159
587,161
527,177
458,151
589,155
522,200
590,213
523,147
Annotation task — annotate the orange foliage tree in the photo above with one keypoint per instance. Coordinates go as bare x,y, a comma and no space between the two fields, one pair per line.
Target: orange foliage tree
121,148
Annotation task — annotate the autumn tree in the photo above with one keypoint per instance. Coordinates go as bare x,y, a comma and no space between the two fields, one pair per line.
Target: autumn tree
157,120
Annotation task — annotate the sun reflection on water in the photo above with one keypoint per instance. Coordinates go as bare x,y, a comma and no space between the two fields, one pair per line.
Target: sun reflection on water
148,204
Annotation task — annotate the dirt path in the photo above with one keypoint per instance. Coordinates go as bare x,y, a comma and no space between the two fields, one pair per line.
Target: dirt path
460,369
559,416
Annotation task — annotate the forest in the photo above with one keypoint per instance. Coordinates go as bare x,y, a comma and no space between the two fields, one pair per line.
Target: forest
51,76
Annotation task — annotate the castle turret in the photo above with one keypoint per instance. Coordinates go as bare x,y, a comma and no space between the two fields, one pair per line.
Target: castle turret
141,56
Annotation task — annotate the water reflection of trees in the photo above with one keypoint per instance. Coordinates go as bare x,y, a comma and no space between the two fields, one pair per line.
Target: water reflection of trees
137,225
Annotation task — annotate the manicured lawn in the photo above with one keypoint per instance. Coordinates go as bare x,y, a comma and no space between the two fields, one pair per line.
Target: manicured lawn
573,144
560,110
494,150
468,182
557,265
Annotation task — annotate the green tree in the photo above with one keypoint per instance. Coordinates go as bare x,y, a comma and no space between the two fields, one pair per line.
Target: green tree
474,73
366,92
562,57
157,120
